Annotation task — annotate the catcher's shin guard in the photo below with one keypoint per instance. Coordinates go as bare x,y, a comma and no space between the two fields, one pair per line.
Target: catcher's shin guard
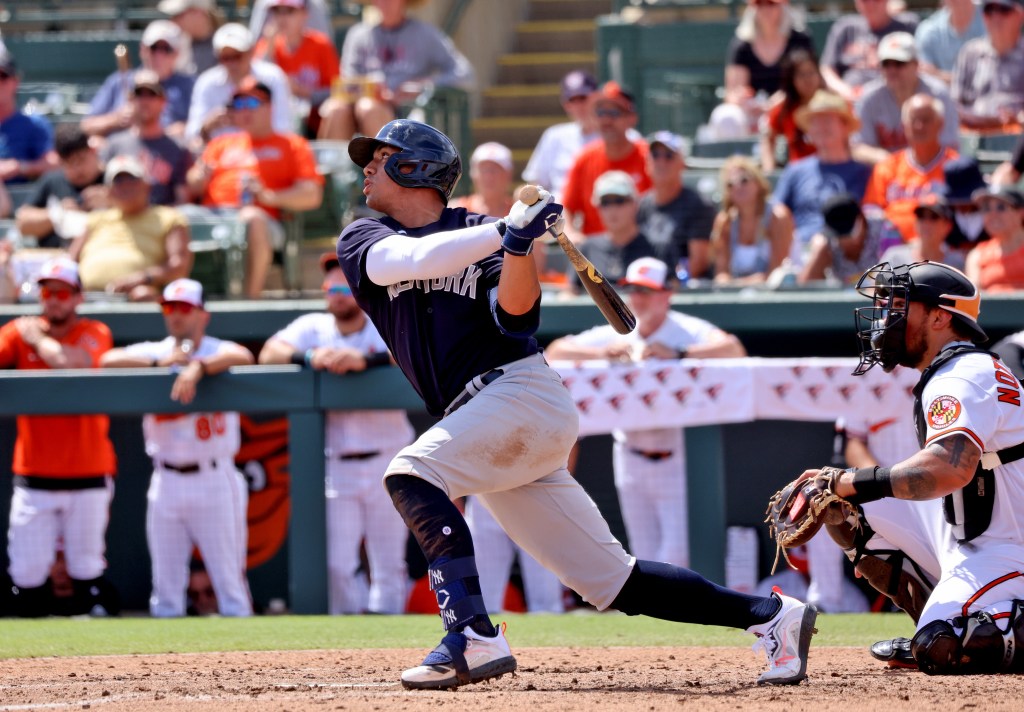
889,571
978,643
938,649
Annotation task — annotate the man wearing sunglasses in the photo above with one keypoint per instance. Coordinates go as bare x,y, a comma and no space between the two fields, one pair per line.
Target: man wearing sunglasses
254,174
360,444
998,264
113,108
26,142
197,498
63,465
988,79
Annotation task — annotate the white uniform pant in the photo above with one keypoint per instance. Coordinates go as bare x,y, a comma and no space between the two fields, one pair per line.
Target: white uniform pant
358,508
205,509
983,574
40,519
510,445
495,553
652,498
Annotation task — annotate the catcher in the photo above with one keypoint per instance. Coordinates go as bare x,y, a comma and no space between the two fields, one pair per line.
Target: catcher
939,532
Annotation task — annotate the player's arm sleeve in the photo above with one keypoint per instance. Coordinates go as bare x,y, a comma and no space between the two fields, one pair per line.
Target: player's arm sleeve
398,258
954,405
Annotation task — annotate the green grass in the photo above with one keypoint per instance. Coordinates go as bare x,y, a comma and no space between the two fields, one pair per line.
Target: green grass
63,637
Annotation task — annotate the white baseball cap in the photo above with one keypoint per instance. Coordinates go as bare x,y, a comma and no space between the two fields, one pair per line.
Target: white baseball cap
162,30
614,183
125,163
494,152
184,290
648,272
897,46
232,35
176,7
62,269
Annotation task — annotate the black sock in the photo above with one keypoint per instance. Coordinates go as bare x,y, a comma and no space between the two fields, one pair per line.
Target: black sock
673,593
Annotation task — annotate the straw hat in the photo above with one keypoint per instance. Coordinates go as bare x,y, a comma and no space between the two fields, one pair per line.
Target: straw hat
825,102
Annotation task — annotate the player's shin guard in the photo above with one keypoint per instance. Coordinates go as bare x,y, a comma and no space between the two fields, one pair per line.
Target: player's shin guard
978,643
442,533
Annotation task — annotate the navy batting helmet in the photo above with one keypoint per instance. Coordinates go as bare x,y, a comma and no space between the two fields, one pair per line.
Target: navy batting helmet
426,159
881,327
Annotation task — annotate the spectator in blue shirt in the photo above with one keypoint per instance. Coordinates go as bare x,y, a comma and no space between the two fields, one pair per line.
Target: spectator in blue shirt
940,37
26,142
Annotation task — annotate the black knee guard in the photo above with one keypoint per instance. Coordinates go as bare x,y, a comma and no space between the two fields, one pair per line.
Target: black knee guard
990,648
30,602
937,649
95,597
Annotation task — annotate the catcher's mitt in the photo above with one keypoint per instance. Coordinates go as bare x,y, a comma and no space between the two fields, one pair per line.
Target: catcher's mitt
797,511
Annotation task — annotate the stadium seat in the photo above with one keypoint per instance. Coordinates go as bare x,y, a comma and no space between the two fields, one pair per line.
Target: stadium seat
218,246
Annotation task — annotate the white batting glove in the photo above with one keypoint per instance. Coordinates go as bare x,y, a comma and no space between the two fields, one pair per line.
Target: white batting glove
522,214
558,228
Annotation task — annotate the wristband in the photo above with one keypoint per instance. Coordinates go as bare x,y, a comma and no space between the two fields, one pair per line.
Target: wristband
515,244
502,226
298,358
377,359
871,483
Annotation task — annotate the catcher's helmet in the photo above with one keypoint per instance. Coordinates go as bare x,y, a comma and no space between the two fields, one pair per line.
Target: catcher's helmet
427,159
882,326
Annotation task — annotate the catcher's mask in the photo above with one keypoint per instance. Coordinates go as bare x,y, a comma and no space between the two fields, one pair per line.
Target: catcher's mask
882,327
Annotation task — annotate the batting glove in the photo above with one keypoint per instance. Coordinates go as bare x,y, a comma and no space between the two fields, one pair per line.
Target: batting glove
519,240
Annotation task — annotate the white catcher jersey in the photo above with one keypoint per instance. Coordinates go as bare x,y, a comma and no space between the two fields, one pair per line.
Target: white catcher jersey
977,396
350,431
188,437
679,331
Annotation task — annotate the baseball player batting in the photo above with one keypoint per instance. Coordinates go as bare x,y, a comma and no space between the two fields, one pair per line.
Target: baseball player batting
456,298
947,515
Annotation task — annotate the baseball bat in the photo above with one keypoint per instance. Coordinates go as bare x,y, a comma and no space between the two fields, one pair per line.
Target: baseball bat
601,292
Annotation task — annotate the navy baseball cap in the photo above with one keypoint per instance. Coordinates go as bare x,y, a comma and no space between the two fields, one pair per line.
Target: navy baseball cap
578,83
962,176
934,203
840,212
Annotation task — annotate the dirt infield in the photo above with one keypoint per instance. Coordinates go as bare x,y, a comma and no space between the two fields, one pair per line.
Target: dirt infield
592,679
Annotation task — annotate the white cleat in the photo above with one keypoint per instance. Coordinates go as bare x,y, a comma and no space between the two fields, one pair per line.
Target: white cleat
461,659
785,639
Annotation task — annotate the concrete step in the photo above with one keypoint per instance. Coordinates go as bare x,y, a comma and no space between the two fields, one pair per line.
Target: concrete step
516,132
560,35
520,99
542,67
569,9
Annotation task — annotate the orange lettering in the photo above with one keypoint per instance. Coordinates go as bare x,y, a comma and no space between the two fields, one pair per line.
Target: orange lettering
1010,396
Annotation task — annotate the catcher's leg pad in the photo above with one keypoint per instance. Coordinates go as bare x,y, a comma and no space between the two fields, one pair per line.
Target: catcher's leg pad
978,643
937,649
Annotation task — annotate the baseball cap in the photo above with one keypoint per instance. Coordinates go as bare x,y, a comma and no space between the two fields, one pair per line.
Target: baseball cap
162,31
494,152
671,141
328,261
123,164
962,177
250,86
184,290
934,203
840,212
234,36
176,7
61,269
7,63
897,46
578,83
148,79
614,183
613,92
1010,196
649,272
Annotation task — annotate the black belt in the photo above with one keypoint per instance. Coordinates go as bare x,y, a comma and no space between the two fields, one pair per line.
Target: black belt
60,483
475,385
188,468
359,455
653,456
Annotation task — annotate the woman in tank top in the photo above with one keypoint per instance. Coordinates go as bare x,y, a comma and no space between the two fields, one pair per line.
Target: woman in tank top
752,233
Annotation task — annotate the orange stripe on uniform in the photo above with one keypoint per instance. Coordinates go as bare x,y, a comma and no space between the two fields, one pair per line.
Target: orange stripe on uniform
967,431
988,587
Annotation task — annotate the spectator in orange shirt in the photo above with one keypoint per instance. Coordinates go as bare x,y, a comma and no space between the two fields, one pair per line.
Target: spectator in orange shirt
898,182
257,173
615,110
997,265
308,57
63,465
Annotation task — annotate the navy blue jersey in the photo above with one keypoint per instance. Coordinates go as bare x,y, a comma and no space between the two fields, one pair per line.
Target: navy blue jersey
441,332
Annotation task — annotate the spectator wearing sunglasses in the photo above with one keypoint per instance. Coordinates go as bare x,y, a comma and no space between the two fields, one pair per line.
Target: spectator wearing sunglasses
622,242
26,142
997,264
253,175
209,115
615,111
197,497
359,446
675,218
63,465
133,248
988,79
112,109
933,223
